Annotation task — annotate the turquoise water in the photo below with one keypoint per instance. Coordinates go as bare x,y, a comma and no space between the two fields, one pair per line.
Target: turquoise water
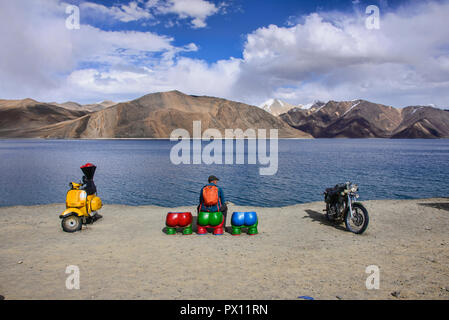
139,172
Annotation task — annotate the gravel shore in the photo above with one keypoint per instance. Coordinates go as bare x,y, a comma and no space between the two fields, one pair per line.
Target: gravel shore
127,255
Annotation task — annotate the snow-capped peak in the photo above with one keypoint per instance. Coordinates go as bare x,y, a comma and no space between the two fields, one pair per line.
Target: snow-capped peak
306,106
267,104
315,103
416,109
353,106
276,106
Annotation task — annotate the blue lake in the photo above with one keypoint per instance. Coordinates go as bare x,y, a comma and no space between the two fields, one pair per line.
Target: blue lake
139,172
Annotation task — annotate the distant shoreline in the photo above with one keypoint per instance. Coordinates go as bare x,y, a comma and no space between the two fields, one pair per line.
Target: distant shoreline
153,206
168,139
55,139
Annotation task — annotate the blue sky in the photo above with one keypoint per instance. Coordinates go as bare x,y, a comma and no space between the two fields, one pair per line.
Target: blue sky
244,50
225,33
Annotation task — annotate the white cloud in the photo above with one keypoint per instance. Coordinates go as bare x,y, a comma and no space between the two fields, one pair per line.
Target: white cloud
197,10
125,12
324,56
333,56
188,75
40,52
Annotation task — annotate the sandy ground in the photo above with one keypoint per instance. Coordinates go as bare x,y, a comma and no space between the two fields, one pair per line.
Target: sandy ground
126,255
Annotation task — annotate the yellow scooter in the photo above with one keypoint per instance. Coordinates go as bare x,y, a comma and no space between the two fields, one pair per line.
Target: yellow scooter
80,207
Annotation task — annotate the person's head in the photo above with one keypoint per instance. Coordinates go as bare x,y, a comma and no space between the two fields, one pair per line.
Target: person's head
213,179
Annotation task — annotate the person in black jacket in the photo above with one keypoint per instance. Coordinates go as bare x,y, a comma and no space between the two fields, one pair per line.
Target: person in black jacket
89,186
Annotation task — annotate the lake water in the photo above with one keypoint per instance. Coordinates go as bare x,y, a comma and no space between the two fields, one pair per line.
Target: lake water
139,172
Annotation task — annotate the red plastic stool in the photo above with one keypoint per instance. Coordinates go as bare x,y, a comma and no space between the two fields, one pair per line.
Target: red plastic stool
179,220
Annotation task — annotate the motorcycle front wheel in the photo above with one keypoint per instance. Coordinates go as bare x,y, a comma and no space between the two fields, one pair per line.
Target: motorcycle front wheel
359,222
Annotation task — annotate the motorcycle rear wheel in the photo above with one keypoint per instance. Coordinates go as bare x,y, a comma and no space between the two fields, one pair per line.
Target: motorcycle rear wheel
360,221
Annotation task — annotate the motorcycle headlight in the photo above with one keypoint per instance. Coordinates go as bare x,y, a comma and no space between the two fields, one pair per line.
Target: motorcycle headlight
354,188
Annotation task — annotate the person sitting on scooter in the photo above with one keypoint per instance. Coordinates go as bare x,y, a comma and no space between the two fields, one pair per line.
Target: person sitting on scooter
219,206
88,182
89,186
88,179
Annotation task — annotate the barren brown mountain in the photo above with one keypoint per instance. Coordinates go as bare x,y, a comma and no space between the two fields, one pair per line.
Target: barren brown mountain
20,116
86,107
423,122
157,115
364,119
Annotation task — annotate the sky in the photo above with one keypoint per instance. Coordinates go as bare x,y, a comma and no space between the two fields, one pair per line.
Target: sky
390,52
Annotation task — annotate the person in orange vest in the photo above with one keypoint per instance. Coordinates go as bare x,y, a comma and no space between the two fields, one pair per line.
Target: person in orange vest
212,198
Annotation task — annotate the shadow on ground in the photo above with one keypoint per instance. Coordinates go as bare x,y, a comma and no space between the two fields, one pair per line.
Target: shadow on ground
442,206
321,218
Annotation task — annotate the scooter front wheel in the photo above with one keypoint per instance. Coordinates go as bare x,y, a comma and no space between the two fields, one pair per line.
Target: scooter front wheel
71,223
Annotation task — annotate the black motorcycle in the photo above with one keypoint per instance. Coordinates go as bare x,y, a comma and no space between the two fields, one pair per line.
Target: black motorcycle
341,206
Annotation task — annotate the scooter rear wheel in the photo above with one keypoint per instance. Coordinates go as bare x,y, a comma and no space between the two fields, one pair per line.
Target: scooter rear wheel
71,223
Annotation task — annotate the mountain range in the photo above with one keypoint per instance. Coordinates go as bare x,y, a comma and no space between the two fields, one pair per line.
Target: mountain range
19,116
151,116
156,115
364,119
86,107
